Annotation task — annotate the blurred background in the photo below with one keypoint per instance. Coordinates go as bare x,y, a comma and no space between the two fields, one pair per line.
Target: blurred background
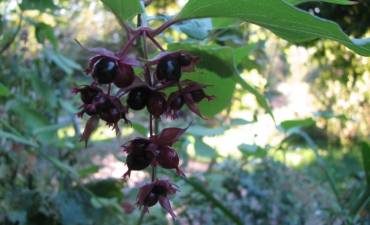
306,167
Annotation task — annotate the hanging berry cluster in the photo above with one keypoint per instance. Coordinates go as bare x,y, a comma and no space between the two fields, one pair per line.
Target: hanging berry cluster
136,92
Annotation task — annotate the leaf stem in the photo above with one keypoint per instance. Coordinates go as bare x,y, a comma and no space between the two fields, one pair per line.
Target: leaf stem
129,43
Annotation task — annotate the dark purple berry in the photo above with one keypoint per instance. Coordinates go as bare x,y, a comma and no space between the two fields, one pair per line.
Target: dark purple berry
156,104
125,76
185,59
101,103
168,68
177,103
87,93
112,115
139,160
139,145
198,95
138,98
105,71
167,157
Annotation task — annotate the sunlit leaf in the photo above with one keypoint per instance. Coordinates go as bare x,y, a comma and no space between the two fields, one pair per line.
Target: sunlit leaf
202,149
123,9
198,130
280,17
288,124
251,150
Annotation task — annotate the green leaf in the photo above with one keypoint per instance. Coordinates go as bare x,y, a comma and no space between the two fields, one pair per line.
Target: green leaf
4,91
199,187
51,128
45,90
44,31
201,131
62,166
360,203
123,9
329,115
340,2
64,63
140,129
259,97
366,161
223,57
251,150
223,22
288,124
197,29
223,85
278,16
68,106
202,149
17,139
90,170
41,5
242,52
239,121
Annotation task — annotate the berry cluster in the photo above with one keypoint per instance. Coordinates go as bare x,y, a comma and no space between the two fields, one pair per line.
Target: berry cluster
160,73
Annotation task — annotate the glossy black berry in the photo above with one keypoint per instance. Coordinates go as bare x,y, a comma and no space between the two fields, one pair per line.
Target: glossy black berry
177,103
185,59
151,199
105,71
156,104
125,76
139,160
198,95
138,98
169,69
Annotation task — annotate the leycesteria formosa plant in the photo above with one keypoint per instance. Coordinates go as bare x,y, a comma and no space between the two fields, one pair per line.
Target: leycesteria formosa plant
108,68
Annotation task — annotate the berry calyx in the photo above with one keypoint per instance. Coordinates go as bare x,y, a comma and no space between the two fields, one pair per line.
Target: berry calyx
169,69
138,98
105,71
156,104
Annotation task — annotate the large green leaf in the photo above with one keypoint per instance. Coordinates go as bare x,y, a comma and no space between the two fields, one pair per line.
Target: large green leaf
123,9
219,61
340,2
278,16
41,5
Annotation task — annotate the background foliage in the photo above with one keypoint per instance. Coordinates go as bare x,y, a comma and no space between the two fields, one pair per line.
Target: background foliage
311,168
